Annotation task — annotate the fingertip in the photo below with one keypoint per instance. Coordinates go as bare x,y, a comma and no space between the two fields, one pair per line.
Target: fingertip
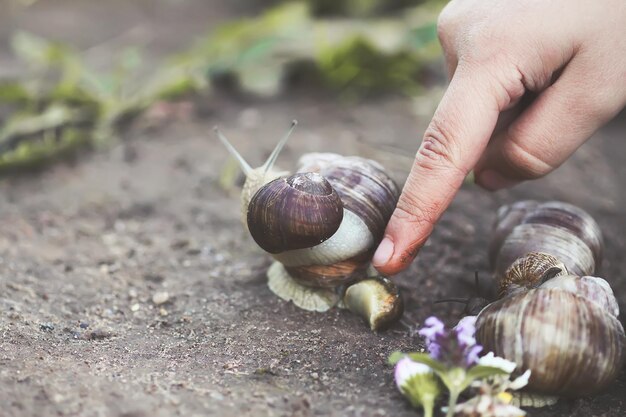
398,262
383,258
384,253
393,257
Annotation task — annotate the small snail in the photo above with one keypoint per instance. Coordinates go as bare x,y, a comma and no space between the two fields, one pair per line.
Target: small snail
552,317
322,225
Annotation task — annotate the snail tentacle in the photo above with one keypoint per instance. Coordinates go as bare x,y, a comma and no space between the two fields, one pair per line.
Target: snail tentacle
245,167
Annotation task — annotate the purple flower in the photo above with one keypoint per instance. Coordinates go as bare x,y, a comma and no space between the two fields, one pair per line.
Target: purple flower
465,330
471,355
434,328
456,347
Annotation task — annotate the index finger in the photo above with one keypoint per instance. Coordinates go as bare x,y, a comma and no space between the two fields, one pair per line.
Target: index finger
453,142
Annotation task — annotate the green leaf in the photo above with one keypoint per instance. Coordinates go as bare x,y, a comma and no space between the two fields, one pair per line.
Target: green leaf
14,92
427,360
480,372
38,51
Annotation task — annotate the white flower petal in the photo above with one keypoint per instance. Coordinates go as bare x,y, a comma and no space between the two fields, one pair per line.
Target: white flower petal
497,362
406,369
521,381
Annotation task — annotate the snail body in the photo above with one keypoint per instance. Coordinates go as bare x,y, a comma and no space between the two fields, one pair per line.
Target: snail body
320,224
552,317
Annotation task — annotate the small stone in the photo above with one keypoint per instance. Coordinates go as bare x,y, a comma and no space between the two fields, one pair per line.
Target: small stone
314,375
135,307
154,277
97,334
160,297
163,312
46,327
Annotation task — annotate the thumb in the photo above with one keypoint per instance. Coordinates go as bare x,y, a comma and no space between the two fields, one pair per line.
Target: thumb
452,144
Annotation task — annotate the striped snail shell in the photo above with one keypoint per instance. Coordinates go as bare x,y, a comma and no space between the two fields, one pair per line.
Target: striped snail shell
321,225
297,212
368,196
552,316
565,331
556,228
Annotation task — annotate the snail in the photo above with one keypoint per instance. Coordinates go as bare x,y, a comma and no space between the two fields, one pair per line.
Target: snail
322,225
552,316
560,229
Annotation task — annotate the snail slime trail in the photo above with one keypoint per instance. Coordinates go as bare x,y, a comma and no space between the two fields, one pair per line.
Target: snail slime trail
552,316
322,225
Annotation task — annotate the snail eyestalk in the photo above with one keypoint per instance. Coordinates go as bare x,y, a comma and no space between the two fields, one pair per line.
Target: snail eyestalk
477,282
473,305
279,147
453,300
245,167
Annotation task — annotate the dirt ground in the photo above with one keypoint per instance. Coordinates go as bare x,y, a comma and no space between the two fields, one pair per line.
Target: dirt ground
87,251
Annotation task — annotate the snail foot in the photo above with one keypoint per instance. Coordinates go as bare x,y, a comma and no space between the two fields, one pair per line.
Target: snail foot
307,298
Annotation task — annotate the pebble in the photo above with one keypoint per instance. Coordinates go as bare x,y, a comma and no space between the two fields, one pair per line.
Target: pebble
46,327
135,307
160,297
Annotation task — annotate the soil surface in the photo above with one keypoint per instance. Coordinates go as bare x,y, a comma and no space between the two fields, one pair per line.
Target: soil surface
129,288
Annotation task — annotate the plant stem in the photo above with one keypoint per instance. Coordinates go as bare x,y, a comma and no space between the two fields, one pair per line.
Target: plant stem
454,396
428,411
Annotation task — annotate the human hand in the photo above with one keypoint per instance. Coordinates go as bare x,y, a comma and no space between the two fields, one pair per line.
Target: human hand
530,82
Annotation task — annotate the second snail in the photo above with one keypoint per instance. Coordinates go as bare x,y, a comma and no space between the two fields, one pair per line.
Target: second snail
322,225
552,316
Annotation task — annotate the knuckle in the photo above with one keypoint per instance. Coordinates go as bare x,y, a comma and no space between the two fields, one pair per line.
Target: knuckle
448,22
437,149
444,26
526,163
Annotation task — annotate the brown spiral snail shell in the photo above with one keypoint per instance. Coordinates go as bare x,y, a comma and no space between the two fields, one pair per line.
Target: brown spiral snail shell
552,316
322,225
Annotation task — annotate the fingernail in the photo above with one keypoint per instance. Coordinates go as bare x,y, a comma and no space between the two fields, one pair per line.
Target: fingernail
383,253
493,180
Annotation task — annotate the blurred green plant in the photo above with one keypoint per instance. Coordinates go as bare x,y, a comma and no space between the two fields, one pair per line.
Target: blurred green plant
353,56
60,104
